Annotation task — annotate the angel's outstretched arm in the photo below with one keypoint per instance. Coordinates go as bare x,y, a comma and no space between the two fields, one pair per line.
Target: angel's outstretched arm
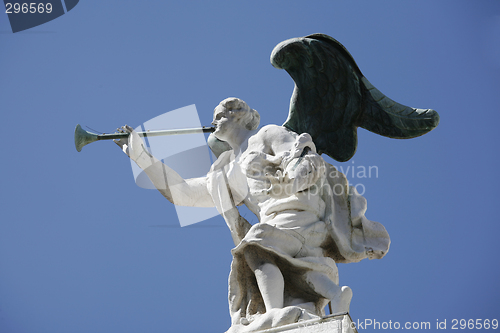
179,191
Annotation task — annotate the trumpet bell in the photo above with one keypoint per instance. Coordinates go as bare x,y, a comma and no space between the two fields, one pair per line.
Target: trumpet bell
83,137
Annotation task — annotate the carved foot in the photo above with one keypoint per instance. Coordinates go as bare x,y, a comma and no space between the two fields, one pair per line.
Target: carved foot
342,302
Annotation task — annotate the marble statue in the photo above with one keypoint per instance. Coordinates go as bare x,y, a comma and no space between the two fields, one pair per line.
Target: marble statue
284,267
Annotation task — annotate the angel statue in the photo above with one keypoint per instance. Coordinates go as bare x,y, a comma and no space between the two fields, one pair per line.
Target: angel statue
284,267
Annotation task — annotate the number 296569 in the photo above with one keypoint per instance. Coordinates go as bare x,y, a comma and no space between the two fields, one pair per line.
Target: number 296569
15,8
474,324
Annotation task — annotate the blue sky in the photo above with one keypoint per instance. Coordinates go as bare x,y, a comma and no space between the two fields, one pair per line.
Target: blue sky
83,249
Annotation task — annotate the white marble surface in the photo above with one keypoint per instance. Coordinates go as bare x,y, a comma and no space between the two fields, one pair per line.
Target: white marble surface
331,324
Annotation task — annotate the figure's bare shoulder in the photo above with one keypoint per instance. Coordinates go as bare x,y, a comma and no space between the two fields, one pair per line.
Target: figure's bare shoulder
273,138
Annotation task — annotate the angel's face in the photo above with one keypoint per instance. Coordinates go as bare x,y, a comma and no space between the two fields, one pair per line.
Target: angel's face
224,122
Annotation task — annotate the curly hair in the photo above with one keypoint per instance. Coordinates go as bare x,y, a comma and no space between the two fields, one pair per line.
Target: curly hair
247,117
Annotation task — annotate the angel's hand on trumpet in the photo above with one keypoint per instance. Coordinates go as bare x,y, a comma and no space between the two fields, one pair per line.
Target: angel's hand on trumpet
133,145
124,142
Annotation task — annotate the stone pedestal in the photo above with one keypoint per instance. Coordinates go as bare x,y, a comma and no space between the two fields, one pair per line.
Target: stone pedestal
336,323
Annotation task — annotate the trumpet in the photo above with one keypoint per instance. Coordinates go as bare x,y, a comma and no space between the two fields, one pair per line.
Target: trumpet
83,137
